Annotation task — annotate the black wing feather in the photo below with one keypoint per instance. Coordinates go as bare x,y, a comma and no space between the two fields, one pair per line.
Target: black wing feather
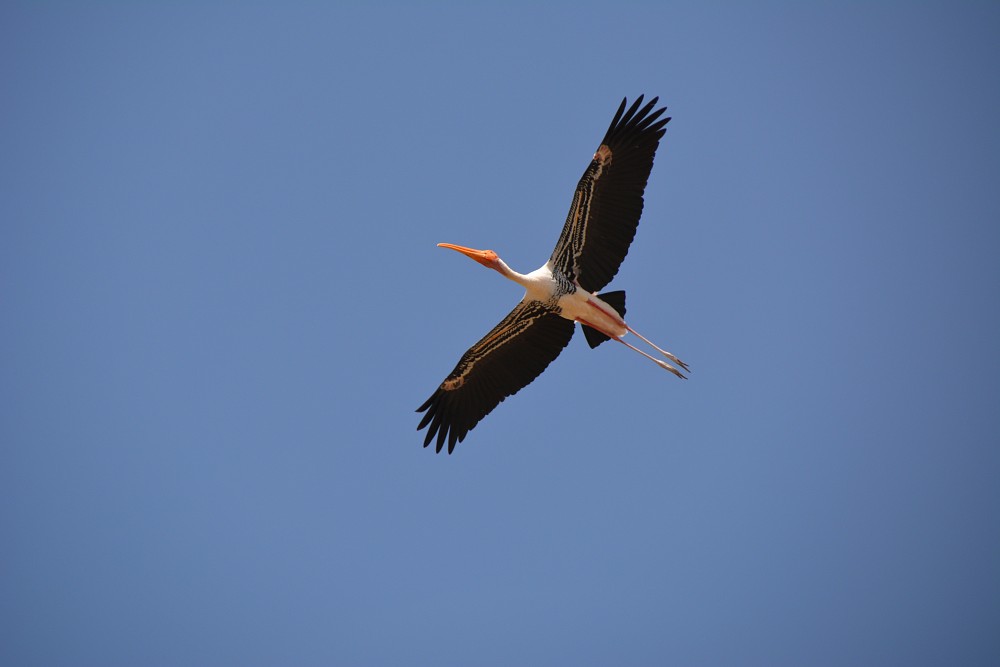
508,358
608,201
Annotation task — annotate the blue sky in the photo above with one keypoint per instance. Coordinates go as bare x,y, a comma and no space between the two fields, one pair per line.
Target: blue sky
222,302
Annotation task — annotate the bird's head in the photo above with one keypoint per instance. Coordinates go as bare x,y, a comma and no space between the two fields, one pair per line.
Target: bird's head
487,258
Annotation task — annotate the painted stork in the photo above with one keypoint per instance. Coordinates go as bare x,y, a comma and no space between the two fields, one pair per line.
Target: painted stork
595,239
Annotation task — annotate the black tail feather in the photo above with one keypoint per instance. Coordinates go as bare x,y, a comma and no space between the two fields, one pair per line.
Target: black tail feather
617,301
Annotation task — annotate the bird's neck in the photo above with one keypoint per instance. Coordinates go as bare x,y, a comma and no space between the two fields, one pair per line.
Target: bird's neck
509,273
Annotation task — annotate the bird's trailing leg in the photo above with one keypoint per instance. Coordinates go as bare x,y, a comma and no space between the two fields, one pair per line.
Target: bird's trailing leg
659,362
659,349
595,302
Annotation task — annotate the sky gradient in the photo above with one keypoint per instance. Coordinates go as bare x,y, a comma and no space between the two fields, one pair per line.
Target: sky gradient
222,303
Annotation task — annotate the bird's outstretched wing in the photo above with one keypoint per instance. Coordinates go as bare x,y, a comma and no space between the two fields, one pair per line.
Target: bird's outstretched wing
508,358
608,200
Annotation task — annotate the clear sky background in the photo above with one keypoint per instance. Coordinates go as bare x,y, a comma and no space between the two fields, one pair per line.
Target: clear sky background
222,301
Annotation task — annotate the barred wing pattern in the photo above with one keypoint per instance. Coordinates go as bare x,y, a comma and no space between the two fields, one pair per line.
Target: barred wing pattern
508,358
608,202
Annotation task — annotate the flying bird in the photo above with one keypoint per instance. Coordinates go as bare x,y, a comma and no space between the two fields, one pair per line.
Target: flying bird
600,227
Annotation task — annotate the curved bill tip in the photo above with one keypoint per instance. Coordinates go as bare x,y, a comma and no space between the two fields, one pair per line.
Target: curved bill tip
460,248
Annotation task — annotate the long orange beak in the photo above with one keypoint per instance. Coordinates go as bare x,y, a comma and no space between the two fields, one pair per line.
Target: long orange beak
487,258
